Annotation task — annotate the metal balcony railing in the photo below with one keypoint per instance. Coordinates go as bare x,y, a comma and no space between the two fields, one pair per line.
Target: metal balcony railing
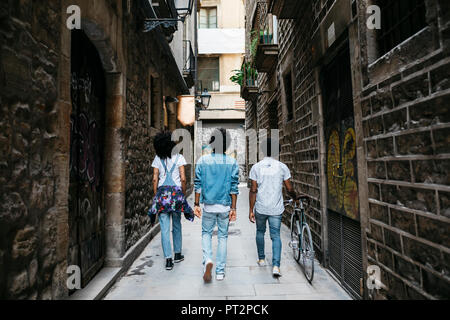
264,44
189,68
249,85
267,24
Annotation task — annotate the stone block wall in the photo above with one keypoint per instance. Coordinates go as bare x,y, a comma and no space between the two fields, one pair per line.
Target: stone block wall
29,256
404,133
35,112
406,123
139,144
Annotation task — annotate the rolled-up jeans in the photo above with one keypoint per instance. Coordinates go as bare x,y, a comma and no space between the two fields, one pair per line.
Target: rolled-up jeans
209,221
274,226
164,221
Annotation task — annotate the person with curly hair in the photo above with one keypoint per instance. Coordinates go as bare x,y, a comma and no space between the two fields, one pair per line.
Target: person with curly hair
217,188
169,187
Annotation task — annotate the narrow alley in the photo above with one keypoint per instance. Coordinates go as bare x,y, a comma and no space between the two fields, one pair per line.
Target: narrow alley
148,280
98,96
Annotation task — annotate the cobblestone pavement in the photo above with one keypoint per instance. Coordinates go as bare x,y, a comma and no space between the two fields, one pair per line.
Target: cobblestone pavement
147,278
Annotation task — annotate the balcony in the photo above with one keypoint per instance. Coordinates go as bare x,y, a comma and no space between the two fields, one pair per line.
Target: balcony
165,9
284,9
189,68
249,82
266,53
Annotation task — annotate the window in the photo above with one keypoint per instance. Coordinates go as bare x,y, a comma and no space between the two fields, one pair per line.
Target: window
273,115
400,19
208,73
289,96
154,94
208,18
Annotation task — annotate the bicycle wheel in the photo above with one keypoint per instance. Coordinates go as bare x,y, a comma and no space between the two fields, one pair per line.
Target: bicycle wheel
295,238
307,253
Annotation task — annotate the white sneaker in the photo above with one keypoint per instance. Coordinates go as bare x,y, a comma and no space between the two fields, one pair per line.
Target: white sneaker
207,271
262,263
220,276
276,272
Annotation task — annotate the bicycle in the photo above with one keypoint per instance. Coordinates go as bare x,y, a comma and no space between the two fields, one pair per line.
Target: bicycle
301,240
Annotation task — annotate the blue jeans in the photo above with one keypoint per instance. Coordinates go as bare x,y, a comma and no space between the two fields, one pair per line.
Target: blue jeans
164,221
209,221
275,226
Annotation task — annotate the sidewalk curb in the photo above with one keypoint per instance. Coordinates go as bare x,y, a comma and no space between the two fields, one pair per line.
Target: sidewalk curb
99,286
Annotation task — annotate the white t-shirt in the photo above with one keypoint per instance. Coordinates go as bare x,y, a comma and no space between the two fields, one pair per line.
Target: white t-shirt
270,175
169,164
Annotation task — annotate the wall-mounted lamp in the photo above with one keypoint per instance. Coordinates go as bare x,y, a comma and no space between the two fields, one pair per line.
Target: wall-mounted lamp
205,98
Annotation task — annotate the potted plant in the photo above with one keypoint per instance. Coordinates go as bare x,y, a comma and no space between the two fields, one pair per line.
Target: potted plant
265,37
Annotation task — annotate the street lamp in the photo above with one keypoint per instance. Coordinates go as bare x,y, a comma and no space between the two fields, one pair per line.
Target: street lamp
184,7
205,98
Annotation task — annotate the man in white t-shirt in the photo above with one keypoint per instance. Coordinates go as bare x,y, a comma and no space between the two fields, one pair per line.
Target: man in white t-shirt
267,178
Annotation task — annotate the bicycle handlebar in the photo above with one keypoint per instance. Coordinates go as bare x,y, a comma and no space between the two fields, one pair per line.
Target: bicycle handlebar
301,198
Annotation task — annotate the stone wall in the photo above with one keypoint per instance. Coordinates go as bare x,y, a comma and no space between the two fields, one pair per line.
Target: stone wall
29,41
139,145
35,108
237,146
406,124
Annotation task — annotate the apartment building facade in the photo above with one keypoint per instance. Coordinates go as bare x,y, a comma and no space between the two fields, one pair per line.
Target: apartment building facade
221,49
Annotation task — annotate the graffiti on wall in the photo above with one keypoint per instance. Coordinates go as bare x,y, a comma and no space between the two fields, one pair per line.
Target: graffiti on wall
342,177
84,152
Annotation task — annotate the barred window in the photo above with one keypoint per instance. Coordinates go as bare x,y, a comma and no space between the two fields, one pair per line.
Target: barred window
400,19
289,96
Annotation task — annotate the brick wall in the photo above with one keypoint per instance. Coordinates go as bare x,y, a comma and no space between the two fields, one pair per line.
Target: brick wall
298,138
404,132
406,124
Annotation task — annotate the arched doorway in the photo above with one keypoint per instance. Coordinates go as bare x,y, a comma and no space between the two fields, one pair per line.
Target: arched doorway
87,137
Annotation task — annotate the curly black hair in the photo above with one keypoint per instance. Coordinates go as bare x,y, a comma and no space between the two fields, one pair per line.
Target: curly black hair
226,138
164,145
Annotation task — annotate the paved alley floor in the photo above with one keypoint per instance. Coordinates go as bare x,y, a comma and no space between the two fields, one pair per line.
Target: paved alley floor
147,278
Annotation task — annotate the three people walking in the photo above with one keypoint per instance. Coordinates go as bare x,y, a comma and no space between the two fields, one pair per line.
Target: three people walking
216,188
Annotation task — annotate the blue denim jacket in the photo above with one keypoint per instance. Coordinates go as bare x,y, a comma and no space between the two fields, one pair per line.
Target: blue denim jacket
216,178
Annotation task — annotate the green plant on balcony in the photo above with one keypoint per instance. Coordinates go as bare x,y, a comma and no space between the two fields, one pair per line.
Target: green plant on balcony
265,37
253,44
246,74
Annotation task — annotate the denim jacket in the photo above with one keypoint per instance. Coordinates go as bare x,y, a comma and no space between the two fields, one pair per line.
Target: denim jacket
216,178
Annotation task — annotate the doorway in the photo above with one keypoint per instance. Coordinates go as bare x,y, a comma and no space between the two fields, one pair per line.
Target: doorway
86,190
343,213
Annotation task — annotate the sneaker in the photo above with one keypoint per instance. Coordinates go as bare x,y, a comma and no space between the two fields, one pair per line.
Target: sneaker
262,263
276,272
207,271
178,257
169,264
220,276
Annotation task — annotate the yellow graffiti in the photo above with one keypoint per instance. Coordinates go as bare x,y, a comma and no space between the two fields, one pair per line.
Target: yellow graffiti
342,187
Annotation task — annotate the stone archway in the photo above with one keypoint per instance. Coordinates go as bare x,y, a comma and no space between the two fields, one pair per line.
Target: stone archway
114,168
